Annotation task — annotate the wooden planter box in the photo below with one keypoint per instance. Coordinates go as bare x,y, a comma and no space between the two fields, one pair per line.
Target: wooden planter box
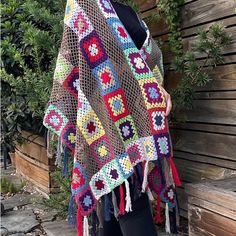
212,208
32,162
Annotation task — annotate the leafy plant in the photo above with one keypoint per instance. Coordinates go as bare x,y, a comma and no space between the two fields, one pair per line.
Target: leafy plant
31,33
209,45
9,187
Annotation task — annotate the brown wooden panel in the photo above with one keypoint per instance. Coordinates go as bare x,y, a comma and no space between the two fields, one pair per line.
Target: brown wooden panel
204,11
228,164
216,95
213,111
210,144
222,78
160,30
205,223
211,128
34,172
193,171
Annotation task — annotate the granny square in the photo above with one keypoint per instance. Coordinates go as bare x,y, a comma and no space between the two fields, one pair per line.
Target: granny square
137,64
125,165
126,129
152,93
71,83
79,178
113,174
54,119
158,120
102,150
120,33
107,77
116,104
91,127
99,185
93,50
68,136
163,145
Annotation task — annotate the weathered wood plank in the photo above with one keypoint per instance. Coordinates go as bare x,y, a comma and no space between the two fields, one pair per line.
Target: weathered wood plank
222,95
204,11
211,128
215,193
206,223
210,144
228,164
192,171
221,210
213,111
159,29
34,172
222,78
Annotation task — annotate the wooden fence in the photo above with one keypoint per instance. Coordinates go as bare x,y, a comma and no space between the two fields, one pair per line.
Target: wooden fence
205,146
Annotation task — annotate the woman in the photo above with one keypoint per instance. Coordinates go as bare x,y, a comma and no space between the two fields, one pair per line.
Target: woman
108,107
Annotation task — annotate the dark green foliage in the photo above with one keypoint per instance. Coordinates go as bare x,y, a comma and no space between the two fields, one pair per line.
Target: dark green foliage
209,45
31,34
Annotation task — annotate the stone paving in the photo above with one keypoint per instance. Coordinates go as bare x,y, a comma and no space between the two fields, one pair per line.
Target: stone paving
23,217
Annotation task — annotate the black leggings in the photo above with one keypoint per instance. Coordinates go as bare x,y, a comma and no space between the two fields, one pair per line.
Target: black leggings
139,222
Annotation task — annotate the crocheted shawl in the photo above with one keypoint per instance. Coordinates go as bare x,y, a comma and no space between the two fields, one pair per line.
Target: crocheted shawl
107,107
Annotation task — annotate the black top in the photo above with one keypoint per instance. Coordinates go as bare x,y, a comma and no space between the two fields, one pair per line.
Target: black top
131,22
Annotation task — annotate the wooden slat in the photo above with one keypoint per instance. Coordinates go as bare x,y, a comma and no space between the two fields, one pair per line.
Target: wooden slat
159,29
228,164
204,11
211,128
192,171
202,143
34,172
205,223
213,111
221,210
211,192
222,78
223,95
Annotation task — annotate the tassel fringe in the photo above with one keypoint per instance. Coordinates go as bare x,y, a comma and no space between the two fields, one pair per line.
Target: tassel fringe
79,223
149,193
167,219
122,200
114,202
85,227
158,218
128,206
145,175
175,173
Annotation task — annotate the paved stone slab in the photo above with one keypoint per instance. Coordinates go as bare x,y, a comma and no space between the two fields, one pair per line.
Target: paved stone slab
19,199
59,227
19,221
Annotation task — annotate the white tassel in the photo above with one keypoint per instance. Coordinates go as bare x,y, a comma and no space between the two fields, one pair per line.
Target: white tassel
85,227
49,155
145,175
58,155
114,202
128,206
167,219
150,196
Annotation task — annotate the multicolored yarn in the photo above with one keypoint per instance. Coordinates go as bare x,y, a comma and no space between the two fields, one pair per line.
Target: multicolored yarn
107,106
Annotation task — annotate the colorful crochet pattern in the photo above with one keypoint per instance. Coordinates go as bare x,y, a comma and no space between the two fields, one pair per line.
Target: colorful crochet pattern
107,106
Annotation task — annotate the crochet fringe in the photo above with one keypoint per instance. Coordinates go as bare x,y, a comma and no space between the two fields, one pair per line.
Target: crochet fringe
128,206
167,227
79,223
85,227
122,200
145,177
115,206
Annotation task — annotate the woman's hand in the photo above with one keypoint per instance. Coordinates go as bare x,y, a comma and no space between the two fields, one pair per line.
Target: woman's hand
168,102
